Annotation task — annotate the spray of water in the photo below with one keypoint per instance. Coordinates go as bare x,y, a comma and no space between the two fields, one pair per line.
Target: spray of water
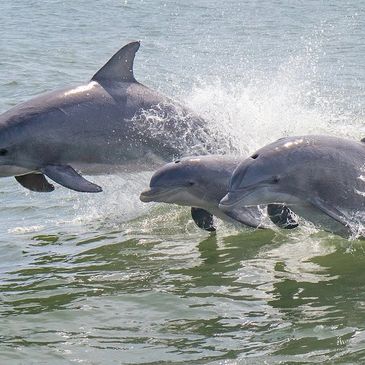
253,114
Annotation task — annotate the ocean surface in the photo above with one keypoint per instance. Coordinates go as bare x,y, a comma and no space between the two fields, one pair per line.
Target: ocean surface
106,279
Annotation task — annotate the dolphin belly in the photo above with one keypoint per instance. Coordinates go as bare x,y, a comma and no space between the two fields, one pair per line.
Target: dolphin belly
9,170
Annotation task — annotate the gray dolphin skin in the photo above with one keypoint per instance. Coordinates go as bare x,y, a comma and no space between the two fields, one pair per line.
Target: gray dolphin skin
200,182
104,126
320,178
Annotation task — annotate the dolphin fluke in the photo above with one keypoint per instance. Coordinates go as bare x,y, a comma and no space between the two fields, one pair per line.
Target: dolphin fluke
120,66
35,182
66,176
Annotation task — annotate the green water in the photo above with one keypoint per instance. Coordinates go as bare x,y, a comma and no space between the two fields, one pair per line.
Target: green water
175,297
105,279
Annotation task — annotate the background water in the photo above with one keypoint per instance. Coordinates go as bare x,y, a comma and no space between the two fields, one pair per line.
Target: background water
104,279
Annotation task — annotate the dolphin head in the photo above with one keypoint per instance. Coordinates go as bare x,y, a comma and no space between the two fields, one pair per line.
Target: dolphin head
14,154
21,150
196,181
271,175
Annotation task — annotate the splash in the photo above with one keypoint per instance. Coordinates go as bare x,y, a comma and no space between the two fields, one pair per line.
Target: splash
172,130
293,100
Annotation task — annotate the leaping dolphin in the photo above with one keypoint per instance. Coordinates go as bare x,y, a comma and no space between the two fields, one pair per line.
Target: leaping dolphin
104,126
320,178
201,182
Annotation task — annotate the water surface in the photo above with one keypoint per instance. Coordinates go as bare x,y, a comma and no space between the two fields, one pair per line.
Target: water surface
105,279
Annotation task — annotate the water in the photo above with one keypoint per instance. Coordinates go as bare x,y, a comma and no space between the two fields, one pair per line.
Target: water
105,279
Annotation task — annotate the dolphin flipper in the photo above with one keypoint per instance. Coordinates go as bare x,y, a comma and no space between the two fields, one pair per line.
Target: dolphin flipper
202,219
330,211
282,216
120,66
66,176
35,182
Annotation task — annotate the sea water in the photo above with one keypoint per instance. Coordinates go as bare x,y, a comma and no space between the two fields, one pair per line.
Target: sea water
106,279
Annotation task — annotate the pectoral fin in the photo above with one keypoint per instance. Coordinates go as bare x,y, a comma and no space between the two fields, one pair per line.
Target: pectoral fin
35,182
66,176
282,216
331,211
203,219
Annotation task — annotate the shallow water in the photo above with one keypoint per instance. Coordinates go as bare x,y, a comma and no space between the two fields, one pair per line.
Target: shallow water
105,279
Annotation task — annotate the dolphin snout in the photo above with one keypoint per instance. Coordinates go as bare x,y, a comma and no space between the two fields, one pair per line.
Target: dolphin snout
225,201
147,195
229,200
158,194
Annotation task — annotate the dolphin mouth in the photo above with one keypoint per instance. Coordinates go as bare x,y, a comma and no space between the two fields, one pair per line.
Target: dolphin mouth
232,199
156,194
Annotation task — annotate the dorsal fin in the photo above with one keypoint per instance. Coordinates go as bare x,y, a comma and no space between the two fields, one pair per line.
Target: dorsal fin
120,66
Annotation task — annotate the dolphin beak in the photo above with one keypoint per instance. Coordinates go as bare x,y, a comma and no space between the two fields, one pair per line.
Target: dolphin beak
230,200
157,194
225,201
147,195
230,205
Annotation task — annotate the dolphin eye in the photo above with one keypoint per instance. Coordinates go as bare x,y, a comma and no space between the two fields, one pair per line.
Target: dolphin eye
3,151
177,161
191,183
254,156
275,179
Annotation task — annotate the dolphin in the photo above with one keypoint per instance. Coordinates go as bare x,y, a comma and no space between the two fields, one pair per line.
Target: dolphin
320,178
112,123
201,182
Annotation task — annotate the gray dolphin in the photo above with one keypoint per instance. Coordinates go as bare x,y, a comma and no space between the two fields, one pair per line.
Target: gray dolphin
201,182
320,178
103,126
